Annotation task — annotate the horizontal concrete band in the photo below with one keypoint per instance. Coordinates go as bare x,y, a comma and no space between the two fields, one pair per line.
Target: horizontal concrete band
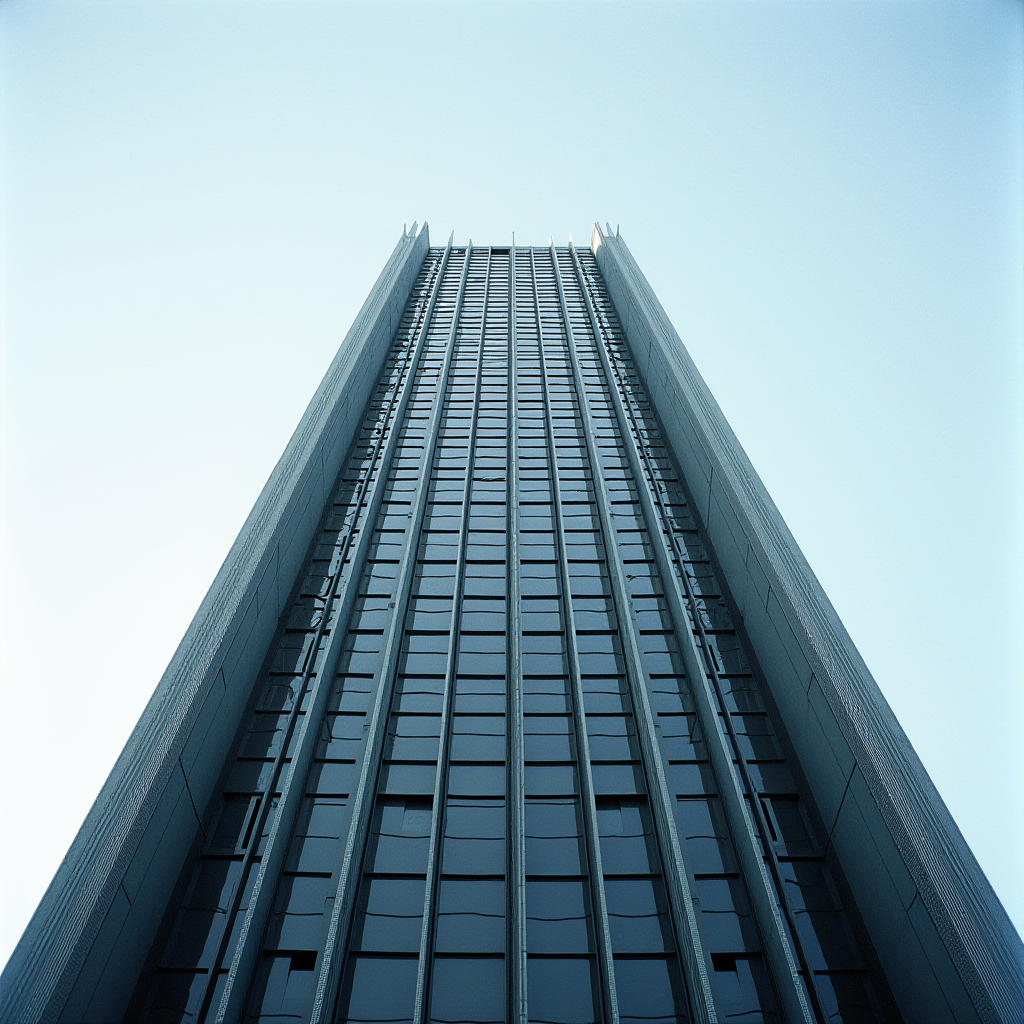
948,949
108,897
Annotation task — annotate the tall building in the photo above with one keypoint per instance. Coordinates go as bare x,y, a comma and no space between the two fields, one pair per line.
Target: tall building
515,700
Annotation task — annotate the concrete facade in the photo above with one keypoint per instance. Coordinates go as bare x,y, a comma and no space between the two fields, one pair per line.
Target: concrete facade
948,949
89,937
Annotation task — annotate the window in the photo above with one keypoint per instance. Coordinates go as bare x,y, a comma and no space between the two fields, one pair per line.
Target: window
637,915
297,921
390,915
413,737
703,830
378,989
416,693
474,836
400,835
742,990
478,738
479,696
624,827
561,990
471,916
545,696
553,837
476,780
466,989
557,916
725,921
548,738
611,737
317,841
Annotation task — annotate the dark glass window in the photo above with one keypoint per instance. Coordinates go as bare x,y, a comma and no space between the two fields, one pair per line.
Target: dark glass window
471,916
703,830
201,920
415,779
846,996
377,990
557,916
822,926
467,990
545,696
297,921
390,917
649,992
478,738
176,997
787,822
286,983
401,835
624,827
611,737
550,779
725,921
637,915
476,780
474,837
231,823
414,737
419,694
547,738
561,991
479,696
552,837
742,990
318,834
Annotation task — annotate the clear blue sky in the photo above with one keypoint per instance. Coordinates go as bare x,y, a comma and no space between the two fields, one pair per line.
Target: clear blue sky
825,196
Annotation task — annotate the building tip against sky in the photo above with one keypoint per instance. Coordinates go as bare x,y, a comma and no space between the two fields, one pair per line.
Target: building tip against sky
515,700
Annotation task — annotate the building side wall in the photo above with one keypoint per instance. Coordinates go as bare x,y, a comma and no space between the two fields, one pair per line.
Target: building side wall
947,946
87,941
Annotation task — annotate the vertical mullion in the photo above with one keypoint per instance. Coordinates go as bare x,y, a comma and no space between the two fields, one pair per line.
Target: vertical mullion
750,833
444,751
246,947
329,977
517,798
589,805
685,920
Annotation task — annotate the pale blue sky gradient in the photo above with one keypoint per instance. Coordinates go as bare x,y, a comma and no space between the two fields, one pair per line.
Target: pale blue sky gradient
198,196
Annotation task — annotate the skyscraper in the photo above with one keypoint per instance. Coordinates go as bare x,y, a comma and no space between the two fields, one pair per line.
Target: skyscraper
515,700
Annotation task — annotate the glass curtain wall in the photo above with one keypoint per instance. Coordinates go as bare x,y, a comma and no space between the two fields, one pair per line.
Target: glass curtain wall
477,782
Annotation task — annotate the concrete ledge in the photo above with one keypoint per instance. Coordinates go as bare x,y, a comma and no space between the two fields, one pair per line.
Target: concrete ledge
945,941
170,763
